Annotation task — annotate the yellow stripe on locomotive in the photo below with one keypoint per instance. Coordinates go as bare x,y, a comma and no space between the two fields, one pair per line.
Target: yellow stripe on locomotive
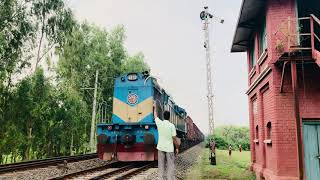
132,114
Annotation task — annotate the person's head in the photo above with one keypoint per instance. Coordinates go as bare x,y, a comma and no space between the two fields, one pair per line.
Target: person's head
166,115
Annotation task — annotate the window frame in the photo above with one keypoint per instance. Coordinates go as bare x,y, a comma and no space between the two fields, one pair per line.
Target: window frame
252,54
256,139
262,38
269,130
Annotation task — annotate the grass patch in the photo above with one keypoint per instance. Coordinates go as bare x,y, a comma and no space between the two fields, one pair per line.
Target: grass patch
233,168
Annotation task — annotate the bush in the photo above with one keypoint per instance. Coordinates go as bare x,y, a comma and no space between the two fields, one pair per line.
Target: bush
230,135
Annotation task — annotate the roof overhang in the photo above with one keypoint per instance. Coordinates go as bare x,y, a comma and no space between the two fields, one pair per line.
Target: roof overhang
248,20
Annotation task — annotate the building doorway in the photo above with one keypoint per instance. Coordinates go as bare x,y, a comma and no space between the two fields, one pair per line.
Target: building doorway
311,141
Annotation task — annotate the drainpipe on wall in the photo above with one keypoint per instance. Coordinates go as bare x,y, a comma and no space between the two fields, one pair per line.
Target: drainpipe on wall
297,116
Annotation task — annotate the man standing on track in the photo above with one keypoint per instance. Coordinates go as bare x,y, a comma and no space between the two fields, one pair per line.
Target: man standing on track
167,139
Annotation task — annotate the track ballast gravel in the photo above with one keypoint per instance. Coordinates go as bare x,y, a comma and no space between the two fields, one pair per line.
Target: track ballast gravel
52,171
183,163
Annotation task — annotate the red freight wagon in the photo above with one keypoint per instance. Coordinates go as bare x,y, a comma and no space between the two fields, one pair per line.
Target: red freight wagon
194,135
191,133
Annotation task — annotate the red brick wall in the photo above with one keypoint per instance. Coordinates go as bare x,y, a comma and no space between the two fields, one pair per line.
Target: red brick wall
284,135
255,110
268,113
285,130
280,158
252,132
278,12
284,142
309,91
264,103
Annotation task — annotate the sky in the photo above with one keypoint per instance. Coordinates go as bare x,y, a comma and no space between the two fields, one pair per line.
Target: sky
169,33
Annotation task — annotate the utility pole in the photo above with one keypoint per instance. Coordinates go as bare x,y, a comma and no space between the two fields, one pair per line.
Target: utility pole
93,118
205,16
208,66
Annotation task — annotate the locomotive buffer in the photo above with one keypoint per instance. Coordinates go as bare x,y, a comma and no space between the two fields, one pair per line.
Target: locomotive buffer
205,16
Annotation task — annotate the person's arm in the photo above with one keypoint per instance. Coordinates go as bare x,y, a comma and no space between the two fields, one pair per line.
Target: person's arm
176,140
155,115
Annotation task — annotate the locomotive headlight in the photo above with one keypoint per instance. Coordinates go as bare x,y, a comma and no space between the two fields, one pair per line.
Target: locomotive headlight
109,128
146,127
132,77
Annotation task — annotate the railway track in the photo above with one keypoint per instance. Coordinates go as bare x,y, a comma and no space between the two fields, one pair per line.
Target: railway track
44,162
115,170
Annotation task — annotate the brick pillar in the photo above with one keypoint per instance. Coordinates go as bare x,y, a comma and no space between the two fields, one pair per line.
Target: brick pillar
261,131
252,135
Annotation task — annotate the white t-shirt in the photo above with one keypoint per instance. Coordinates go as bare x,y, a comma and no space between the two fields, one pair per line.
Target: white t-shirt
166,131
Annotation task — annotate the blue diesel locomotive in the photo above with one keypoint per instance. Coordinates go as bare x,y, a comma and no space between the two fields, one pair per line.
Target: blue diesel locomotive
132,134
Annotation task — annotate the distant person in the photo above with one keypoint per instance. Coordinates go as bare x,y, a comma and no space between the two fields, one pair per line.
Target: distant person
213,146
167,139
240,147
230,150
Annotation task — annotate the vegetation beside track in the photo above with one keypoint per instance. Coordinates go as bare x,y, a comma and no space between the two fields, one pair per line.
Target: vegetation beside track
47,60
235,167
231,135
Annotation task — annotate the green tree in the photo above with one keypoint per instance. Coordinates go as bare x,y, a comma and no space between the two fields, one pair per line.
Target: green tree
87,49
16,30
42,118
135,63
31,96
53,22
47,120
21,24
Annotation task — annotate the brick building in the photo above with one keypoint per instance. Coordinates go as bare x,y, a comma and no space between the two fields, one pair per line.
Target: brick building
281,38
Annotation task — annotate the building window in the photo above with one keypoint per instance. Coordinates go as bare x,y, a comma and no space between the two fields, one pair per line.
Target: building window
263,41
269,130
256,140
254,107
252,56
268,140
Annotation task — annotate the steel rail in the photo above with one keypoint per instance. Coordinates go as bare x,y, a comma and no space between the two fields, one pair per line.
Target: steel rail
125,171
114,172
44,162
131,173
87,171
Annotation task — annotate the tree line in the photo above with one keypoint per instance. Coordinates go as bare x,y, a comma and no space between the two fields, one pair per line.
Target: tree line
47,59
230,135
